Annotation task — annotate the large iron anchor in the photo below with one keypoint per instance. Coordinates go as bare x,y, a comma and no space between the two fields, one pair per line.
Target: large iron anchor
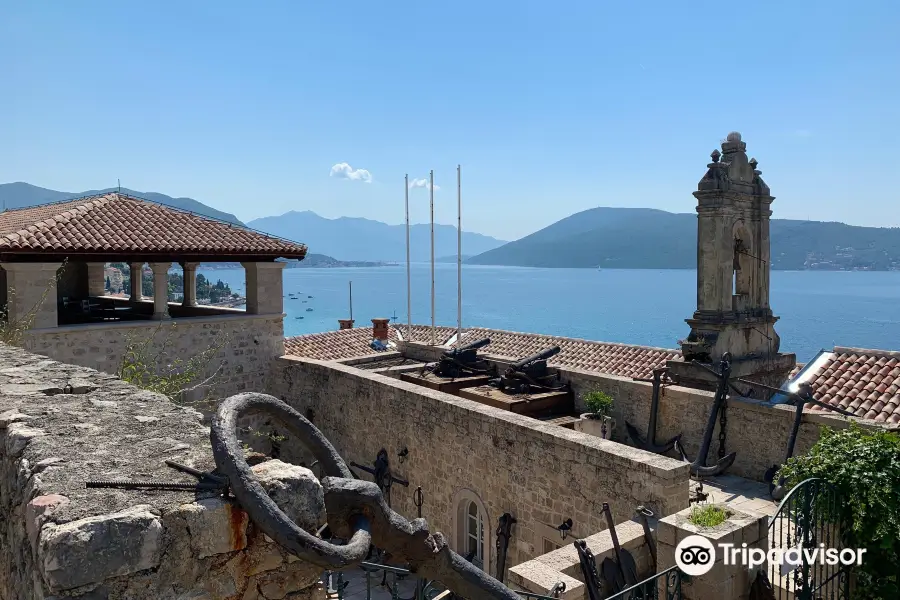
798,399
698,465
356,509
649,443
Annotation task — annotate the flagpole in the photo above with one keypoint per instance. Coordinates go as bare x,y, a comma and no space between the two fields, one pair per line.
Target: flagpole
431,196
408,291
458,255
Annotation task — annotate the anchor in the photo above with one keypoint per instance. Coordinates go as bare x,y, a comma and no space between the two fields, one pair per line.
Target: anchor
799,400
384,479
504,532
650,444
698,466
588,569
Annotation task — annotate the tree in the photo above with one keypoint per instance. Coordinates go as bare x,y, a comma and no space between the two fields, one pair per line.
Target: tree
108,284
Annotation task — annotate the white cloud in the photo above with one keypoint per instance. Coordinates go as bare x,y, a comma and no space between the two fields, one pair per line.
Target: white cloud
345,171
421,183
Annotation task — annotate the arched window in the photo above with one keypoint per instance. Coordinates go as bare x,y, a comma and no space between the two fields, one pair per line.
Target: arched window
475,535
469,537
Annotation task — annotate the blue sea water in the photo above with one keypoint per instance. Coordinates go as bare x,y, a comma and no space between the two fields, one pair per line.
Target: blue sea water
818,309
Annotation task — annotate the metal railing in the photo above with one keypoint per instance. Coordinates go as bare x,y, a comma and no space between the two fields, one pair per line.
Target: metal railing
662,586
390,580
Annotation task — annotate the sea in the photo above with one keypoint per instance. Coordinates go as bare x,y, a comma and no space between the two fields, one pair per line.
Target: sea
817,309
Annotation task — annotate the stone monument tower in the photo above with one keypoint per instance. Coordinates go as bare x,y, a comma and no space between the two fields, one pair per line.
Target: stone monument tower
733,313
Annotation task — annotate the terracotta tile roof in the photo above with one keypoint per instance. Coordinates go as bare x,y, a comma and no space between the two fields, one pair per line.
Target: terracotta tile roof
623,360
864,382
353,343
120,224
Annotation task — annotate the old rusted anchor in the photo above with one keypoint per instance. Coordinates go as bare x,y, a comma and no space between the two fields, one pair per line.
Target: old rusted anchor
649,443
798,399
698,466
355,509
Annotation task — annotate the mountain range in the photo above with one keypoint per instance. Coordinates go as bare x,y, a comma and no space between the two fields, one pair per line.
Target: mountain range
349,238
626,238
644,238
22,195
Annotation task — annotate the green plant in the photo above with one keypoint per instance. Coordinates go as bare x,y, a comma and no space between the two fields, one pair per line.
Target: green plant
599,404
864,466
708,515
153,365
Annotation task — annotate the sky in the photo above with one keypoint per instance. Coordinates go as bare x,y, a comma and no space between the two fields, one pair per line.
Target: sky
259,108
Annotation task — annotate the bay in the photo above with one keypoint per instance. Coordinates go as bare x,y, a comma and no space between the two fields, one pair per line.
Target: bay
818,309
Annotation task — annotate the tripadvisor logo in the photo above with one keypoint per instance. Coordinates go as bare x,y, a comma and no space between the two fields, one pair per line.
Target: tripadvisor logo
695,555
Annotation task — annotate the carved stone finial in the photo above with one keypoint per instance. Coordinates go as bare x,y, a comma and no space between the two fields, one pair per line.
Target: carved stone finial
734,136
753,163
716,155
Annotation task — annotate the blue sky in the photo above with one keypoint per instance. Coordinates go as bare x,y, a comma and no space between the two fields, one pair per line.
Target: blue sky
551,108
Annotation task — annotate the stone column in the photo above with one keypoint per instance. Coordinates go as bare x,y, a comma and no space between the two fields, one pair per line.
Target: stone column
190,284
265,295
160,290
31,294
724,580
96,274
136,282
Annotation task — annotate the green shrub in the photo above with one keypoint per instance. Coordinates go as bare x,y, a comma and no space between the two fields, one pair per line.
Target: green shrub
598,403
708,515
865,468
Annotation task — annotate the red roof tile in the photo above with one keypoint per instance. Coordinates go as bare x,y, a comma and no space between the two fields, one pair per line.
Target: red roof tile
623,360
120,224
353,343
864,382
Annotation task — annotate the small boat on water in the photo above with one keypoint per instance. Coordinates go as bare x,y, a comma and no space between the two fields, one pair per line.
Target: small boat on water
309,296
308,310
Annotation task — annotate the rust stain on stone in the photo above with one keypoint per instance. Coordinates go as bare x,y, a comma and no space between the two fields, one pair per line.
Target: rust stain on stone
238,527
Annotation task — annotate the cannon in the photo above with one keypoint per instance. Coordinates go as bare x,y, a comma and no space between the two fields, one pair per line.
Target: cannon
530,375
463,361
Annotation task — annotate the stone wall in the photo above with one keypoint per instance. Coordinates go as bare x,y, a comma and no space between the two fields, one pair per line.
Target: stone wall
757,431
61,425
248,345
541,474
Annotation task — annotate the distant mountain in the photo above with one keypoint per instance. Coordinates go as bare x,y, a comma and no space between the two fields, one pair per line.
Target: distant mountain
21,195
644,238
452,259
357,239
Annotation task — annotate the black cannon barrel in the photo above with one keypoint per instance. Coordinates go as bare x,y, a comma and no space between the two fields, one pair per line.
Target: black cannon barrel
472,345
542,355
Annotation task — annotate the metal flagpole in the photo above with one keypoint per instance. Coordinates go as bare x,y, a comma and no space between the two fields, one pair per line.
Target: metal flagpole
408,292
458,255
431,195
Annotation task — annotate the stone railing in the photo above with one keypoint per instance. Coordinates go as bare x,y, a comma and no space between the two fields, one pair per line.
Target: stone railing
62,425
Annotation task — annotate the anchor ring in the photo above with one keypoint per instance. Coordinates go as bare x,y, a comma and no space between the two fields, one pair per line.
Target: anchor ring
253,499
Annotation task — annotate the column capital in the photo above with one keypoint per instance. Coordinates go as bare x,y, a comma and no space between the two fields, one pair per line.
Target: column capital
160,267
264,265
188,266
24,267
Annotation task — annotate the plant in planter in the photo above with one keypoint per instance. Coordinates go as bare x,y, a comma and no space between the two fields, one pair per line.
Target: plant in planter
598,420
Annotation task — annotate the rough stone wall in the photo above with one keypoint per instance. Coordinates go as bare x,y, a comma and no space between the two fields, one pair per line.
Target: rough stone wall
61,425
541,474
757,431
252,343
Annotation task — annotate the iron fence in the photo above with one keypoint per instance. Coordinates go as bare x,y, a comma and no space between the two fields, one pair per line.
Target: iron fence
665,585
398,583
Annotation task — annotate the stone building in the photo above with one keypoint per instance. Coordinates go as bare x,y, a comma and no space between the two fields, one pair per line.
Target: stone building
53,284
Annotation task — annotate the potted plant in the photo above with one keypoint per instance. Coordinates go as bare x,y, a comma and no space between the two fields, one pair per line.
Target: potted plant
598,420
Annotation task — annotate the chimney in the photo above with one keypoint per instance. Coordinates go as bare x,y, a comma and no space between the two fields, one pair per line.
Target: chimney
345,323
380,329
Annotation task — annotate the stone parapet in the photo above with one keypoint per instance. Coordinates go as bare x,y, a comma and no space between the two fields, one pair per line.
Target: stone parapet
540,574
61,425
243,363
539,473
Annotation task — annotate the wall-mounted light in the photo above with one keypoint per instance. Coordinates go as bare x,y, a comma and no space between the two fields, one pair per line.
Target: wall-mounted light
565,528
401,456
